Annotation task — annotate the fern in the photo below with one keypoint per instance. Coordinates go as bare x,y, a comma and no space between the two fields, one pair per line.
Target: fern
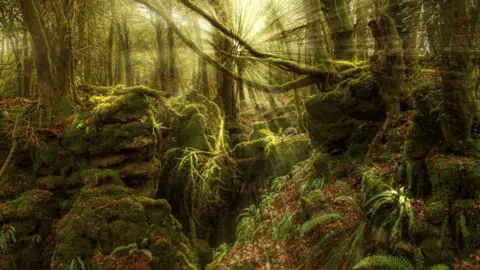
397,203
413,250
384,262
248,227
318,220
283,228
77,264
7,237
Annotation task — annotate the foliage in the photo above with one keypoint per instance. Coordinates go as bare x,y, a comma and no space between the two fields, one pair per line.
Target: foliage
384,262
318,220
77,264
248,227
398,206
284,227
7,237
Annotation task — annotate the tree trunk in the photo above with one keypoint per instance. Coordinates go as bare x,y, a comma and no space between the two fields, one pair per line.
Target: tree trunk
340,21
41,52
202,76
224,84
388,67
127,52
27,67
65,65
160,74
456,69
407,30
172,71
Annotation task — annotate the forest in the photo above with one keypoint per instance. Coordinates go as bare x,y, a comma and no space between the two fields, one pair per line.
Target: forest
239,134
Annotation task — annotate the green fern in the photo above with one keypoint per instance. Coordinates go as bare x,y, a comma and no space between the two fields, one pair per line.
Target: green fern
399,207
318,220
412,250
384,262
248,226
7,237
283,228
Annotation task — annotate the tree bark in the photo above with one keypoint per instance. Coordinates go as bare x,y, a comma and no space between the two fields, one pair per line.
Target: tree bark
388,67
340,21
160,74
459,105
407,30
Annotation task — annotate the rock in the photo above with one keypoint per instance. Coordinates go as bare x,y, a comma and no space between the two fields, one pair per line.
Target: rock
109,216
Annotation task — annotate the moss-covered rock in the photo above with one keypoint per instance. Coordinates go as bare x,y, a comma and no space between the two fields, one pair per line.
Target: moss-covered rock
453,177
123,109
250,149
327,122
435,212
260,131
109,216
425,130
283,153
30,215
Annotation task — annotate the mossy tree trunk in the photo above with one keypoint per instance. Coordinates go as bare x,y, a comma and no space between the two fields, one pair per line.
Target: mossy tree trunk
41,51
27,64
224,84
406,15
65,66
340,21
160,73
174,85
388,67
202,73
361,12
315,39
458,97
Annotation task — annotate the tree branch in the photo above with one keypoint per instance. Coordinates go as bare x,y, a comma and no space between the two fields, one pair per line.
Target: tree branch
302,82
275,59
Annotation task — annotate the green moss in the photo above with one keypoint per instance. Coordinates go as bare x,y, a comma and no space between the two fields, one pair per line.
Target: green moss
116,138
124,109
98,177
250,149
453,177
109,216
282,154
435,250
326,120
435,212
194,134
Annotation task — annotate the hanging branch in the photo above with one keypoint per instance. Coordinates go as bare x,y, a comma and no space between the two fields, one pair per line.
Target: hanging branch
274,59
301,82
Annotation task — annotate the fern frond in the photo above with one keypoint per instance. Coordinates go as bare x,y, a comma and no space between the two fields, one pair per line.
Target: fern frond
413,250
318,220
384,262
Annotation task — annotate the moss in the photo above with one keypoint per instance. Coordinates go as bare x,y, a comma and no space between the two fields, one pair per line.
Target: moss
282,154
435,250
109,216
56,182
50,158
116,138
98,177
453,177
435,212
250,149
75,139
326,120
194,134
124,109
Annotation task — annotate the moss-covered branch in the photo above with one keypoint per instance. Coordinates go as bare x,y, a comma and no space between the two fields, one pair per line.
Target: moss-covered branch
274,59
302,82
